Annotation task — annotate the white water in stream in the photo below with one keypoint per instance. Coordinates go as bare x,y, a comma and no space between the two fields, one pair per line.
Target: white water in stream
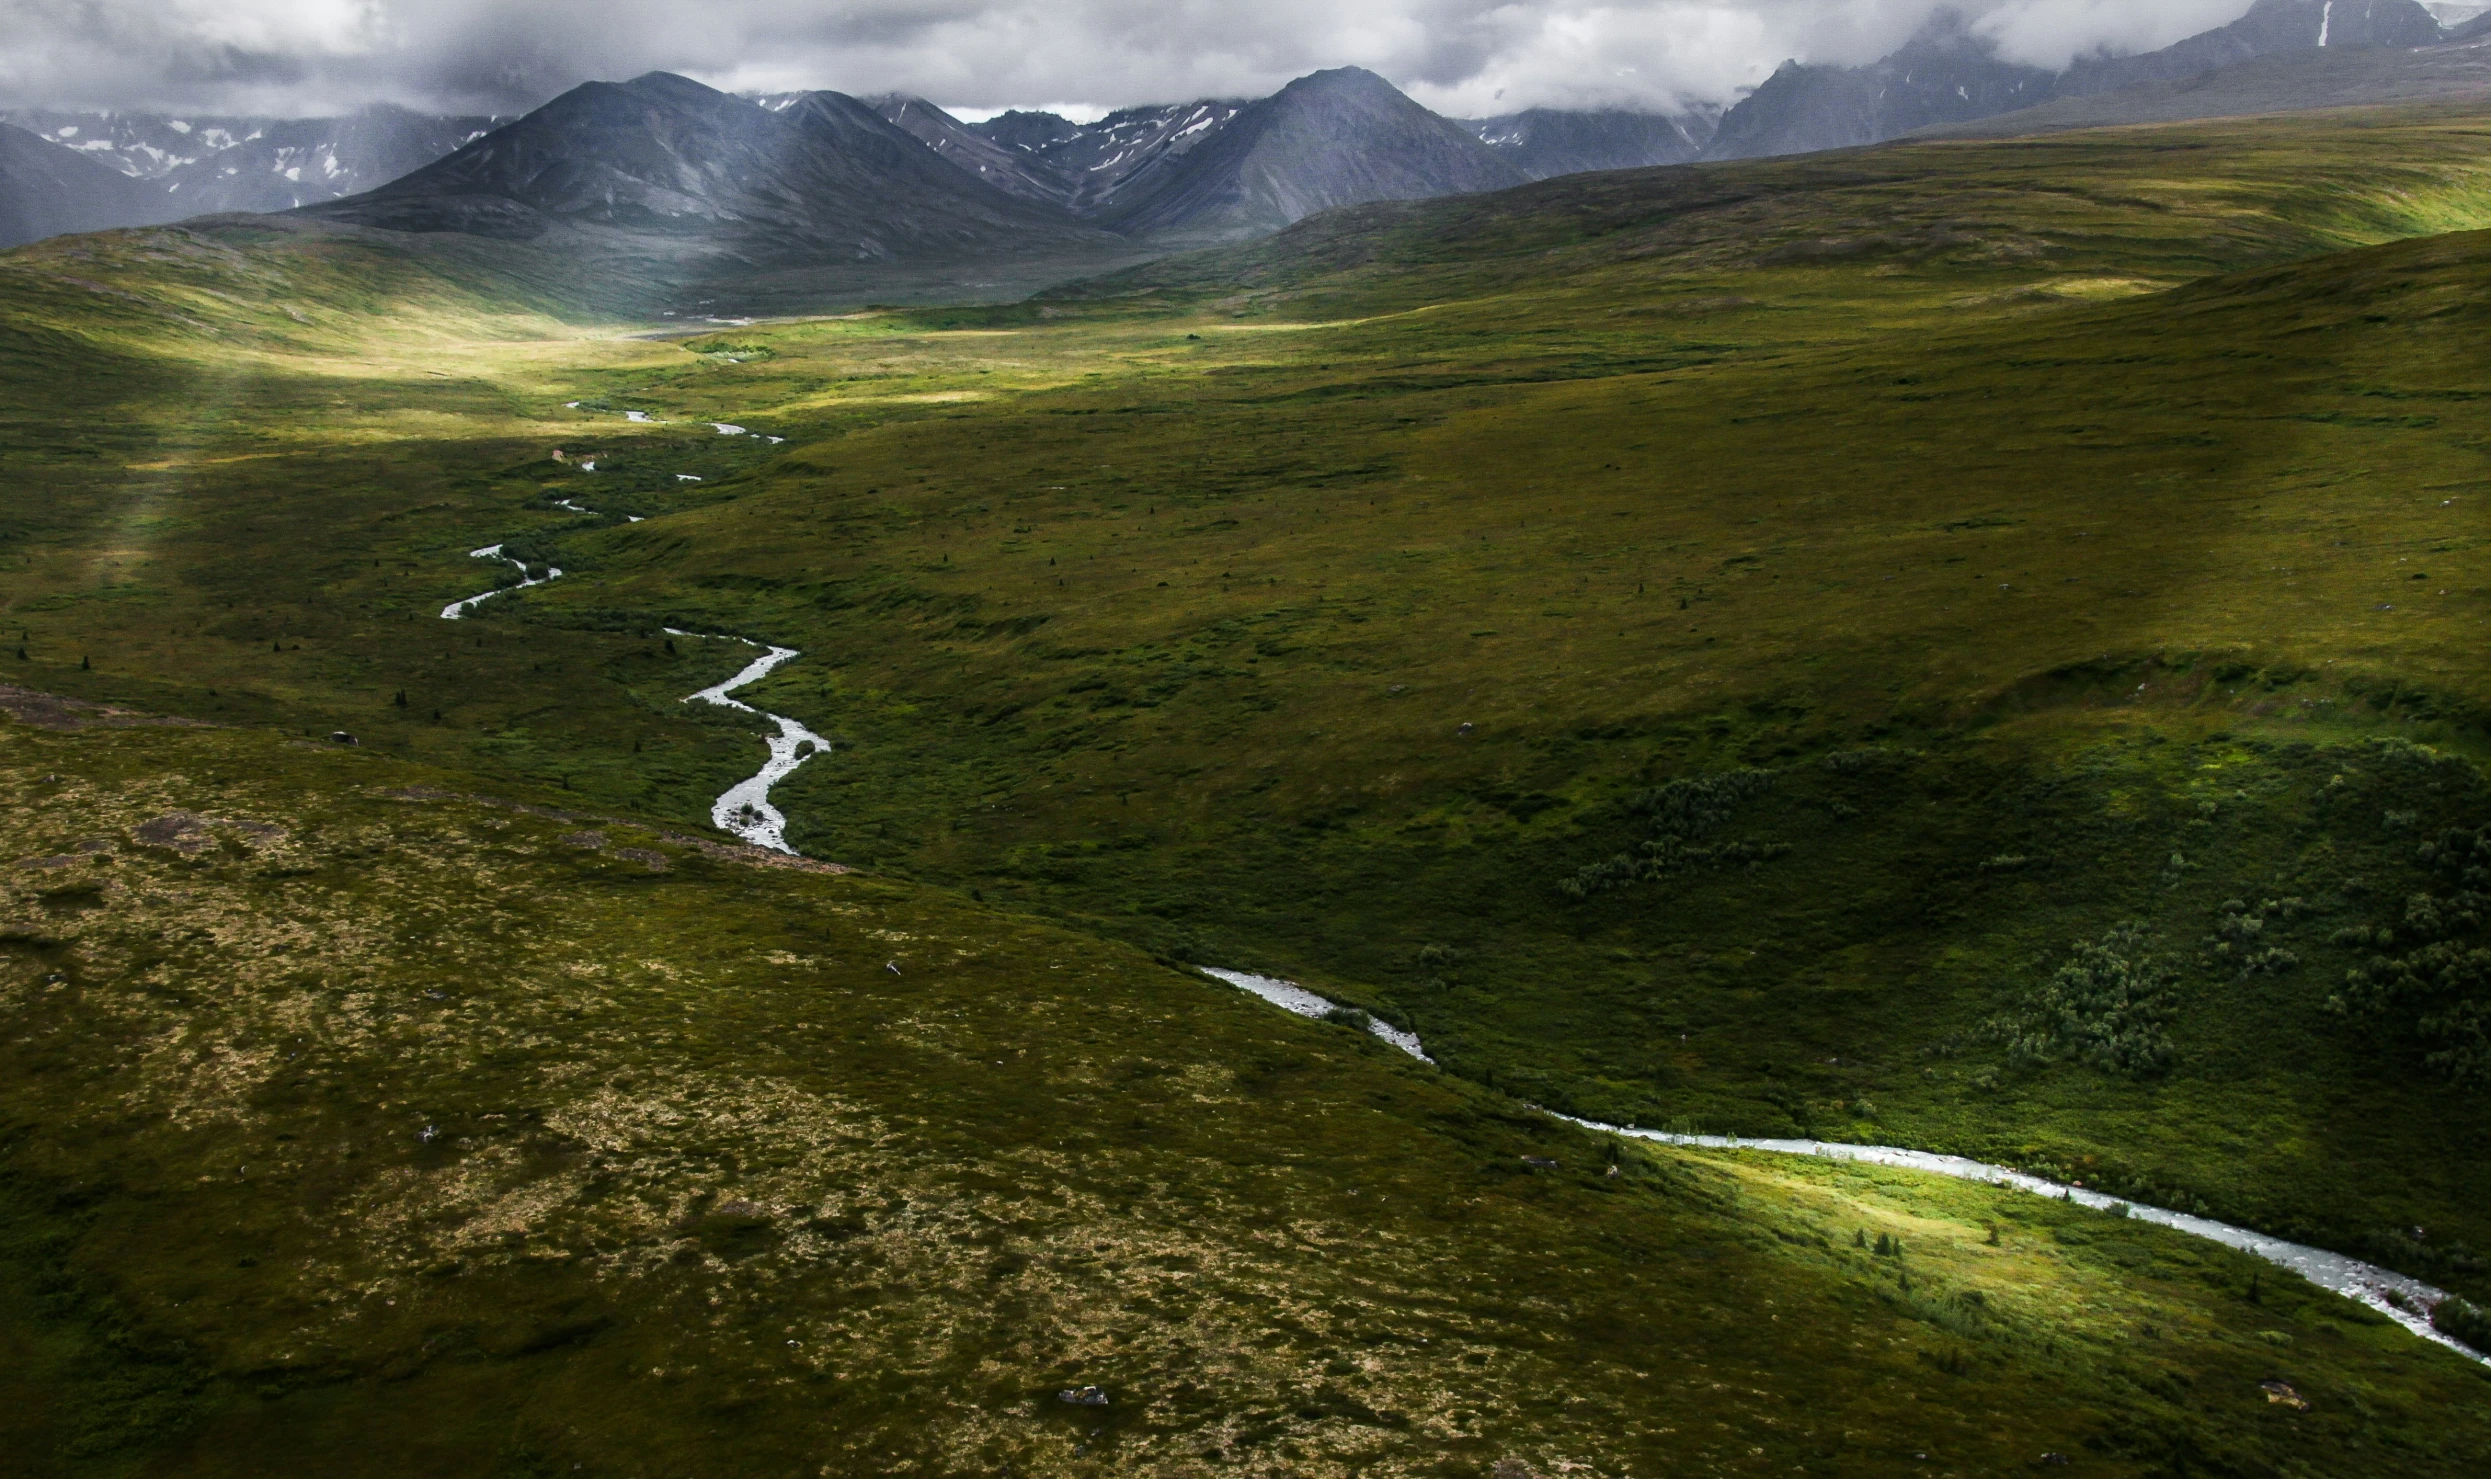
457,609
745,809
2364,1283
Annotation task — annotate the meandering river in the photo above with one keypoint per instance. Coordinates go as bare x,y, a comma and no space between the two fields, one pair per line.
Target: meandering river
2402,1299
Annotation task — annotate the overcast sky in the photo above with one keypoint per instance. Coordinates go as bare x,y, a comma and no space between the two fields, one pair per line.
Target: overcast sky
1462,57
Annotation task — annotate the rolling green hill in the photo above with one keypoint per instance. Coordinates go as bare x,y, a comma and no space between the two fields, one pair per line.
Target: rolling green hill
1969,645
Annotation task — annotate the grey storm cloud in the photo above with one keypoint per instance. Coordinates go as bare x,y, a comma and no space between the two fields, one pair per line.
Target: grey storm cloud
1459,56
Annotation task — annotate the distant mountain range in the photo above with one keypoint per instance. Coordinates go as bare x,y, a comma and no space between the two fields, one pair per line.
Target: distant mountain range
823,177
1948,74
1215,169
1082,168
257,164
789,179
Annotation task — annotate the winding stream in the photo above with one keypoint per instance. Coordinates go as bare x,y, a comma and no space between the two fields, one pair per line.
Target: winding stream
2400,1298
457,609
745,808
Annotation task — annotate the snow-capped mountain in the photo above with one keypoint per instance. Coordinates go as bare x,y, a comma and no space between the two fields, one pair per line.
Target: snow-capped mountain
1102,160
144,146
1542,142
222,163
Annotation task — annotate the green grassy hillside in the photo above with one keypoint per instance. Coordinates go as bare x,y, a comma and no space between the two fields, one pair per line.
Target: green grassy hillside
1966,645
359,1122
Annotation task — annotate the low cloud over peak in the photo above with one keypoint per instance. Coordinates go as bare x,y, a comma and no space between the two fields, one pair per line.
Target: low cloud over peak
1458,56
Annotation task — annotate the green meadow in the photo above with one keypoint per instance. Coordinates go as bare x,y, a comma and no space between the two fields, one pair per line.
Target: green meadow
1974,646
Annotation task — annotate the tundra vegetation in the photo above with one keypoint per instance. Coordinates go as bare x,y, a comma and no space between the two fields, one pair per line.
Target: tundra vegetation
1968,645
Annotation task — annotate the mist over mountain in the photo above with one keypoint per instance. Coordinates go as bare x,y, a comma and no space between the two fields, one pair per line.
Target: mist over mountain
2281,82
821,176
1544,142
2271,26
1947,73
1953,72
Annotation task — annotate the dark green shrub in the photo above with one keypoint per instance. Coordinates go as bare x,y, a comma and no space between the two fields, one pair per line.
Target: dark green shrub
1680,813
2106,1006
2462,1321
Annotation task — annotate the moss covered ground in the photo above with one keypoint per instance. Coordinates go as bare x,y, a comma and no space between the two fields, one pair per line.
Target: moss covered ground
1968,645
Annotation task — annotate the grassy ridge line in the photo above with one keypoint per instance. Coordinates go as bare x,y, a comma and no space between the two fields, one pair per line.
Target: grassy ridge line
350,1126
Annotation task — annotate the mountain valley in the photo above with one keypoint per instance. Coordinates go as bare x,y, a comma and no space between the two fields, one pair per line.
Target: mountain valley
643,764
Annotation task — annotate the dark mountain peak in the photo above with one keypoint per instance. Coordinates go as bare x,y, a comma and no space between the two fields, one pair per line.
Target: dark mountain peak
679,90
2269,28
1334,138
2293,25
1344,82
1947,73
839,110
1027,131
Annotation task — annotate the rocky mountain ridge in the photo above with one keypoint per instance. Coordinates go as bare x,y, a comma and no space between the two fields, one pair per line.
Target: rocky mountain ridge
662,158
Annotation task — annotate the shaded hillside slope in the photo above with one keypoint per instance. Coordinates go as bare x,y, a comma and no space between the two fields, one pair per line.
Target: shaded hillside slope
1013,171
